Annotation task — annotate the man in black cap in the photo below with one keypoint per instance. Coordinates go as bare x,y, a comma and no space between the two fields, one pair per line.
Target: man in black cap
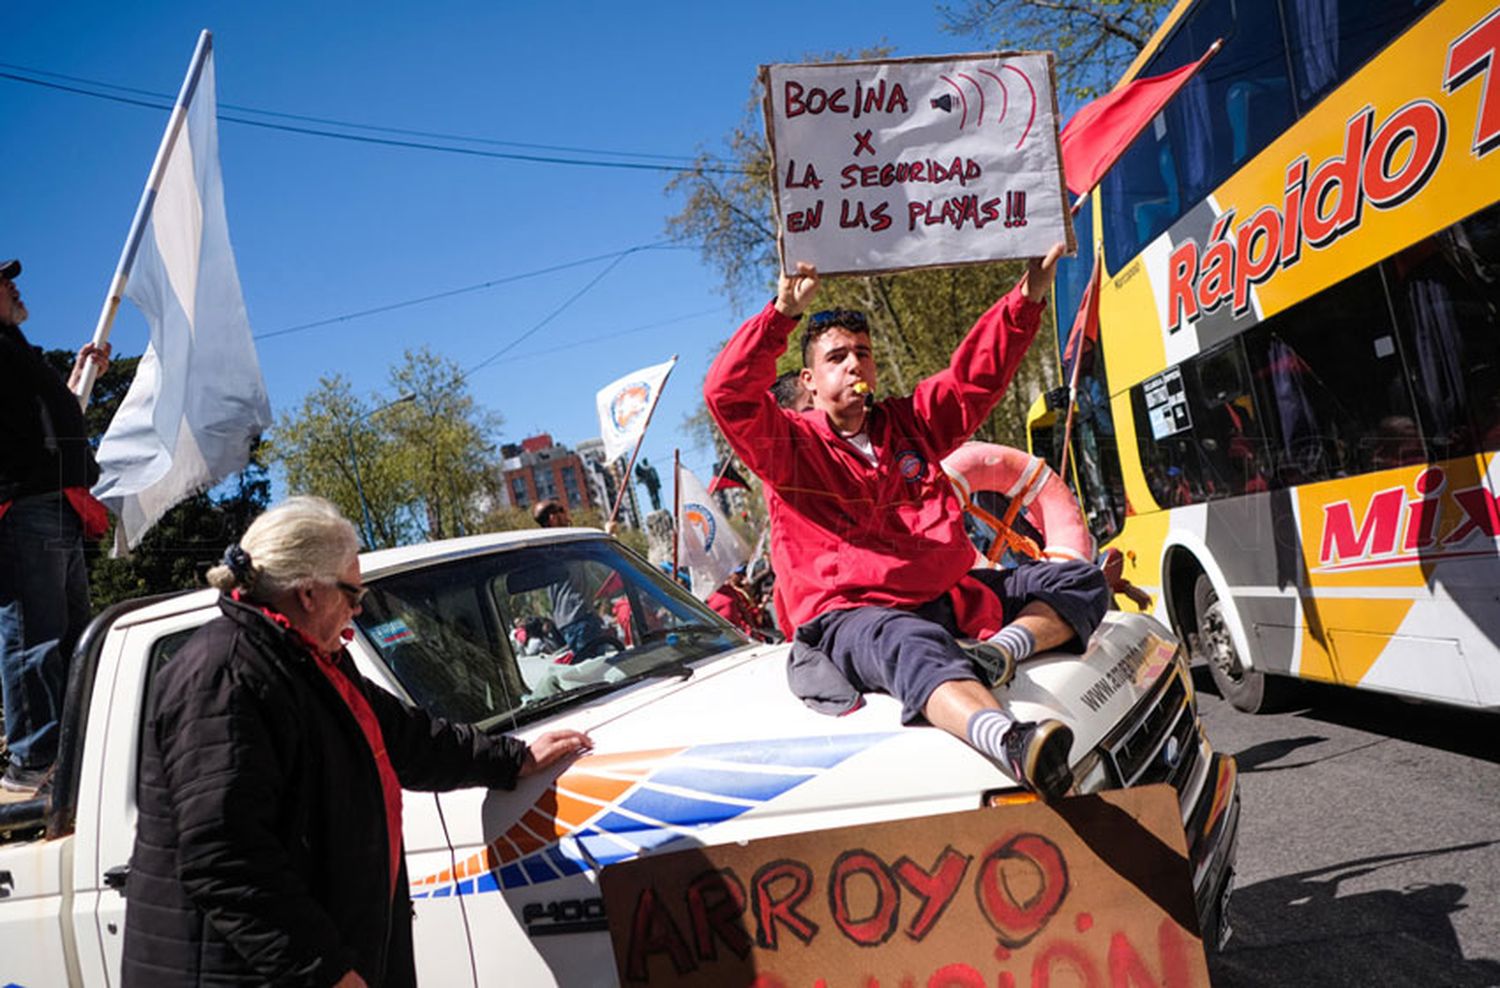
46,470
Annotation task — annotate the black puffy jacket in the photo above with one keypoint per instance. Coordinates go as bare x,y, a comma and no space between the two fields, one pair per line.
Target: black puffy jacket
261,854
44,445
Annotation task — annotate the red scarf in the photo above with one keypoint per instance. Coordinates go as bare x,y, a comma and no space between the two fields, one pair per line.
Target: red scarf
364,715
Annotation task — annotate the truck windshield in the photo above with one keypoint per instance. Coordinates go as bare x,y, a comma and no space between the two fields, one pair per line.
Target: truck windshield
506,636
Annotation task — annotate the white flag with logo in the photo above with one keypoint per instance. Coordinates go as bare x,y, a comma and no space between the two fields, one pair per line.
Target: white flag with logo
706,545
625,406
198,398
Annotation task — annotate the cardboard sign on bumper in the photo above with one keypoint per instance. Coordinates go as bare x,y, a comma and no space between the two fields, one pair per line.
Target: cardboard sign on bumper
1093,888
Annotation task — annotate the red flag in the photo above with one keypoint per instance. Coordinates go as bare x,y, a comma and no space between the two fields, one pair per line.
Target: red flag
1085,331
1100,132
726,477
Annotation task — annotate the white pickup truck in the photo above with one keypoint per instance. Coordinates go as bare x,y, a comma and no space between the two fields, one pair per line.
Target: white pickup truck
697,740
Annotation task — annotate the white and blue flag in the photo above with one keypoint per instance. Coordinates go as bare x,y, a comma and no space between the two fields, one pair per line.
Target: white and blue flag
198,398
706,545
625,407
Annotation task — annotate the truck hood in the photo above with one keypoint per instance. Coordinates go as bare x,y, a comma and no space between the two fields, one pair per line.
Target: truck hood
731,754
744,698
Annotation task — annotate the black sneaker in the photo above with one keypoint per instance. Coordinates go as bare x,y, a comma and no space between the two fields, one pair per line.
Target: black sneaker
994,662
1037,755
24,780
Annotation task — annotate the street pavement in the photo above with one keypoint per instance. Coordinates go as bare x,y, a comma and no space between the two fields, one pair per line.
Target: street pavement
1369,842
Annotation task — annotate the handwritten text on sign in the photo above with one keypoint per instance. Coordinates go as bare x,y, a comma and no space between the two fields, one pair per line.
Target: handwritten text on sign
884,165
1012,897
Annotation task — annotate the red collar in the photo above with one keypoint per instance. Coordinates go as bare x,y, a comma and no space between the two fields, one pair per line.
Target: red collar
282,621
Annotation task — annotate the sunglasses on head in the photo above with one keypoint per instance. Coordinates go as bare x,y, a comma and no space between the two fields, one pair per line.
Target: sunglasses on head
851,319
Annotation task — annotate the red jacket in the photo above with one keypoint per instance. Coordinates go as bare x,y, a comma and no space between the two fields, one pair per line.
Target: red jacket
845,533
736,607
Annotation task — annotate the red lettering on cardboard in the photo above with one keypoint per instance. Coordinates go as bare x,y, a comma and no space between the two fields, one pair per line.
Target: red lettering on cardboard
935,887
654,931
876,928
771,908
1080,966
716,901
1127,970
1016,923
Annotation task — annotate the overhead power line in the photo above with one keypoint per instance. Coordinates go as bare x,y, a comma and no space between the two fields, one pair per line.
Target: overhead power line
605,159
466,289
551,315
605,337
439,135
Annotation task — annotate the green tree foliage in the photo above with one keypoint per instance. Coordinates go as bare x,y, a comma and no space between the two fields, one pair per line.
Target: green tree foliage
1095,40
424,463
918,317
191,536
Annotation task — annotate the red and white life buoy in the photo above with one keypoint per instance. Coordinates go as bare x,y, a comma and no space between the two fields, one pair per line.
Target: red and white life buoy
1033,487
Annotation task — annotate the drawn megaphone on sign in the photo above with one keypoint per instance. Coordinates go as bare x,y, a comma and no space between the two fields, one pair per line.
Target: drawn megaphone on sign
969,92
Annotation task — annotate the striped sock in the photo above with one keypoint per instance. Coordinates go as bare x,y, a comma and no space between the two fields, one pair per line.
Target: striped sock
987,729
1016,640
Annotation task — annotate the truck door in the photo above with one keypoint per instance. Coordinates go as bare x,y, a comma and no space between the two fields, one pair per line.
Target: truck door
106,805
31,912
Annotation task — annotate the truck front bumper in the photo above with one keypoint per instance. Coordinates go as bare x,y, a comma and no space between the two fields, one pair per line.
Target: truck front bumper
1213,836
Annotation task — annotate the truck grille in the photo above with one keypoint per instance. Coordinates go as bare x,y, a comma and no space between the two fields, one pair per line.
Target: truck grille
1161,745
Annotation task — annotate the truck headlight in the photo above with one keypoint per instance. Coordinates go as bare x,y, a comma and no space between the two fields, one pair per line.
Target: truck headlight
1092,774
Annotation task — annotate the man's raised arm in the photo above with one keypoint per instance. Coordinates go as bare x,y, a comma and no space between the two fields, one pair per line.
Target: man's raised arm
737,388
955,401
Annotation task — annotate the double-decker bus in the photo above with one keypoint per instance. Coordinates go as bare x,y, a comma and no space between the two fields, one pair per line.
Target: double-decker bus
1290,421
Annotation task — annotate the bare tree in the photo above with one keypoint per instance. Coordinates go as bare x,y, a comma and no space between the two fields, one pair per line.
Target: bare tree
1095,40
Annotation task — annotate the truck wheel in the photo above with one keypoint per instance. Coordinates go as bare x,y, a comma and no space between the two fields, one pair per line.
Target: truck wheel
1246,689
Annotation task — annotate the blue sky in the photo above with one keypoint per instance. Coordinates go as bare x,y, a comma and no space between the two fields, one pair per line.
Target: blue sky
322,228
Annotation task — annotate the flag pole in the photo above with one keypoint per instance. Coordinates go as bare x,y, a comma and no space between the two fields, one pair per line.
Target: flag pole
143,210
676,507
1090,299
1062,469
724,469
620,497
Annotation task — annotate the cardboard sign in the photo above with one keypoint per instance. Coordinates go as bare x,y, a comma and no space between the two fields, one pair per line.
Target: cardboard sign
906,163
1093,890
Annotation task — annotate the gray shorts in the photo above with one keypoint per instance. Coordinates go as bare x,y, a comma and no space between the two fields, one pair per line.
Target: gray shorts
839,655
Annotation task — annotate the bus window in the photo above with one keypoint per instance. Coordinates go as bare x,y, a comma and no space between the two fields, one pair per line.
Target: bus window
1234,107
1331,370
1201,432
1095,451
1446,293
1329,40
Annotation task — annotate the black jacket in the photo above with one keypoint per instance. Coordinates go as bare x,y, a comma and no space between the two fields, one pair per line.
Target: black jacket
260,853
43,442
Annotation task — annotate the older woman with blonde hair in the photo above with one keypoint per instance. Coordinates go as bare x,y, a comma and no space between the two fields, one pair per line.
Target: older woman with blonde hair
268,848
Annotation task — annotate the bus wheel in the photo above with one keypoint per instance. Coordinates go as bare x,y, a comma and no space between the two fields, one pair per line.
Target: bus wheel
1246,689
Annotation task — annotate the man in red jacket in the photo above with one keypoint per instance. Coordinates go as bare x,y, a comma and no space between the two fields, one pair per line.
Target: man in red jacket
867,536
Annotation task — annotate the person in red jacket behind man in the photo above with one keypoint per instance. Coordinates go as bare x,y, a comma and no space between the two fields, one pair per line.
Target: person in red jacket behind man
733,602
867,536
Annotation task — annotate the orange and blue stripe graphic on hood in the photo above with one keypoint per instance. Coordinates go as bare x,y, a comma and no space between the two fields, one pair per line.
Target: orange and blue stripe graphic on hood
607,808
